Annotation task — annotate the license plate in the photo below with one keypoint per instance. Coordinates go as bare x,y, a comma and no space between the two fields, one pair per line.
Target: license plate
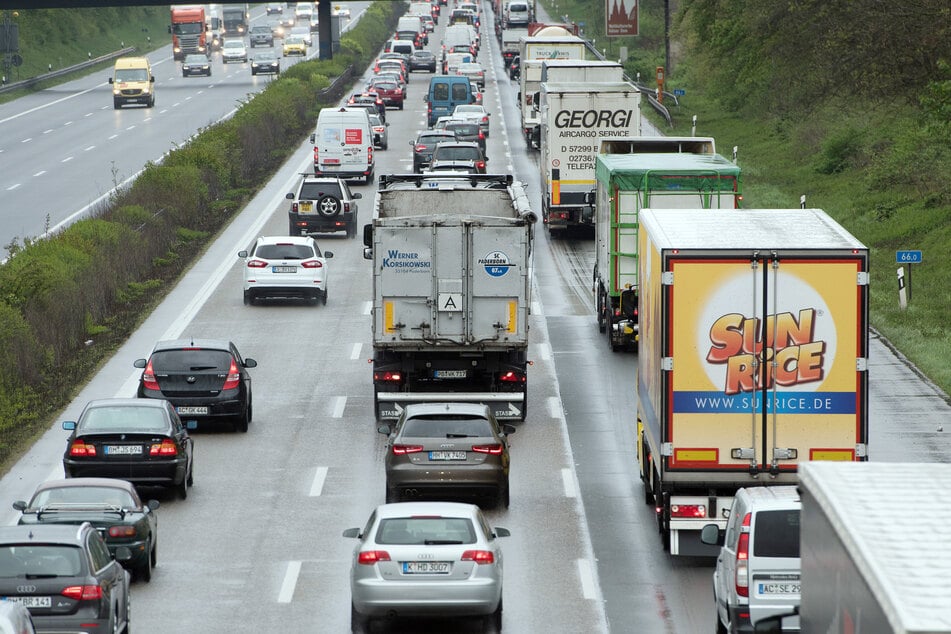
123,450
284,269
194,411
447,455
779,588
426,567
30,602
449,374
305,206
334,162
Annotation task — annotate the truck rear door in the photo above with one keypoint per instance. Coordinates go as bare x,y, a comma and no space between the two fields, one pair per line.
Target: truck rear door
498,276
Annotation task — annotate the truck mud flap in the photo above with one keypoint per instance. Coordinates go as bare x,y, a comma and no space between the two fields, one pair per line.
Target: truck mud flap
505,406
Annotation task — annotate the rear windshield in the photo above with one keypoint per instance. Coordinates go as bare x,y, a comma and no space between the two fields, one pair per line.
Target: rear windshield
83,496
284,251
776,534
464,129
460,92
315,191
425,530
191,360
36,561
446,426
138,418
444,153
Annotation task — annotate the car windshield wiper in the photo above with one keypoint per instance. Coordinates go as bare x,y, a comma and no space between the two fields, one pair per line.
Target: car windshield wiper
442,542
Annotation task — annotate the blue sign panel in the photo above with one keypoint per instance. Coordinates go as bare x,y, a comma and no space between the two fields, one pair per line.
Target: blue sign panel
908,257
680,92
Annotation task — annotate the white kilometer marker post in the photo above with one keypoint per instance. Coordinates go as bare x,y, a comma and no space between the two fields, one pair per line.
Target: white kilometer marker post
339,405
355,352
317,487
586,574
290,582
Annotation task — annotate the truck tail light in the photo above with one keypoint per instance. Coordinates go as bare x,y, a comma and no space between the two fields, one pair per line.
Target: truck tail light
80,448
402,450
312,264
512,377
692,511
479,556
165,448
234,377
492,450
394,377
370,557
742,580
148,377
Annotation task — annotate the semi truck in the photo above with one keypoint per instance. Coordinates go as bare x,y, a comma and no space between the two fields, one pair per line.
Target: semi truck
213,26
532,50
189,32
753,358
235,19
451,291
663,173
873,545
573,117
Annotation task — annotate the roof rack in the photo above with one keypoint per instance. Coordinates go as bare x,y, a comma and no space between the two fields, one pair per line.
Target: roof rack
492,181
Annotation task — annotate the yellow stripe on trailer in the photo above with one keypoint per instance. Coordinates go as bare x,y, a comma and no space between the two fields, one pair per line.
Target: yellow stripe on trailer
695,455
513,317
388,317
840,455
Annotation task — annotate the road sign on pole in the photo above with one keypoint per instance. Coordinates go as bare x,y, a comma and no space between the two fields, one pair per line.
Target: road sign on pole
908,257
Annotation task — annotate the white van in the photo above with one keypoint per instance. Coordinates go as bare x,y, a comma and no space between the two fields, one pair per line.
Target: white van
343,144
517,13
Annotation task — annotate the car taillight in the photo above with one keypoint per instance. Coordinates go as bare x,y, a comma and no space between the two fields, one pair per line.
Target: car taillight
512,377
479,556
122,531
481,136
480,165
688,510
148,377
369,154
493,450
256,264
370,557
234,376
387,376
83,593
420,148
165,448
346,208
312,264
80,448
294,207
742,580
485,119
402,450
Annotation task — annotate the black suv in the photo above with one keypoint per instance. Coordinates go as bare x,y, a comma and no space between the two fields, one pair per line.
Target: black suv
425,143
461,156
261,35
322,204
66,577
205,379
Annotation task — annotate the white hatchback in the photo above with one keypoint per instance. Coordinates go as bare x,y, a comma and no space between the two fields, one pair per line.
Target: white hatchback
234,51
473,113
285,266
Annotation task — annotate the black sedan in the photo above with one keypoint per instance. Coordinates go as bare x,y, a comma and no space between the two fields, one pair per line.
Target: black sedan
205,379
196,65
112,506
265,62
426,141
139,440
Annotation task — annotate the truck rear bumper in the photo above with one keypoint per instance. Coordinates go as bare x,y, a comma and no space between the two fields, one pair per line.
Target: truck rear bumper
505,405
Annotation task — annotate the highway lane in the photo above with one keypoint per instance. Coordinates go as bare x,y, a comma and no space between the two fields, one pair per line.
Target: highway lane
257,543
62,150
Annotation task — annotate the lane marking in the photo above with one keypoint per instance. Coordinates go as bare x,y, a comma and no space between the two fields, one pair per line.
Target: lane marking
91,147
89,114
355,351
67,159
317,487
131,127
339,405
40,173
368,307
586,575
27,140
47,131
12,187
544,351
569,483
555,409
289,583
113,136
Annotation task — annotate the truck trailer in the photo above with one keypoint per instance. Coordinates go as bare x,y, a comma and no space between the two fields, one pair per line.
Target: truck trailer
663,173
874,546
235,19
573,117
753,357
451,291
531,52
189,32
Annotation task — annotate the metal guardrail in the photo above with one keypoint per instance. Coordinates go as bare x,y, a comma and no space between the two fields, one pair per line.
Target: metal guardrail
62,72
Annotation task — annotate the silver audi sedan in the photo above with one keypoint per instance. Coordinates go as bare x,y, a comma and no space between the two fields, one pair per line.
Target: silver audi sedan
426,559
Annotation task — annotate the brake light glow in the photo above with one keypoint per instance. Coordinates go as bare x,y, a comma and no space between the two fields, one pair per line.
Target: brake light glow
420,148
80,448
312,264
122,531
234,377
479,556
83,593
387,376
512,377
294,207
688,510
148,377
255,263
742,580
402,450
480,165
493,450
370,557
165,448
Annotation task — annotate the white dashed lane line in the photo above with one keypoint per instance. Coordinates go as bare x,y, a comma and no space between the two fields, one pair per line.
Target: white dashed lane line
290,582
317,486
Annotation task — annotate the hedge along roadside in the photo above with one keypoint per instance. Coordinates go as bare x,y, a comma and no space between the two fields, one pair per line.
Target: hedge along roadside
67,302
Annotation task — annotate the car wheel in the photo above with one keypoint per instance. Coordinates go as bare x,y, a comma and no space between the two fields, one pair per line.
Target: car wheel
359,623
386,146
329,206
401,105
116,104
493,622
154,554
323,298
182,489
144,572
244,418
503,496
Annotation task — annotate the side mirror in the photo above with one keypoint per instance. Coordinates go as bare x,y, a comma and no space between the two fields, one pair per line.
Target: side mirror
710,535
589,198
356,195
289,196
250,363
139,363
123,554
152,505
498,531
508,429
241,254
368,253
110,80
19,505
352,532
328,254
69,425
384,429
368,238
313,138
152,79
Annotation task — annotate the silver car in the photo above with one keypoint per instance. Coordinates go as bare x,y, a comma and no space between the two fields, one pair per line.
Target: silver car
426,559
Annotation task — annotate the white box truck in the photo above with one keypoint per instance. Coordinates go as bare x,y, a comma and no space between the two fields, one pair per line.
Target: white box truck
753,358
573,117
532,50
451,291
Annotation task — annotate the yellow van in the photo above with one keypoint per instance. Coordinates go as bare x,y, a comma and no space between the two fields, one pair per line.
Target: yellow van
132,82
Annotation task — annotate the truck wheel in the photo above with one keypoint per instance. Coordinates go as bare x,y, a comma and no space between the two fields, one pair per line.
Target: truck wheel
116,104
328,206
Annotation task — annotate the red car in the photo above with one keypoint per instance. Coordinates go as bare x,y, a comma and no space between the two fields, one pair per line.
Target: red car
390,92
